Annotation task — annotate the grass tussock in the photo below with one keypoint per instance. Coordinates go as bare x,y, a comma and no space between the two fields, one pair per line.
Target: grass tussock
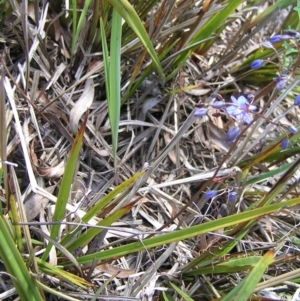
149,150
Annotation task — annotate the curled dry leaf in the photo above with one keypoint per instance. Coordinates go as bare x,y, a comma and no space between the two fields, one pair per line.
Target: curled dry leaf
46,172
35,204
82,105
114,271
51,172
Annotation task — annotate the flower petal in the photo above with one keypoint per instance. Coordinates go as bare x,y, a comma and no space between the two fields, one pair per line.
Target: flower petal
247,118
230,110
232,134
234,100
242,101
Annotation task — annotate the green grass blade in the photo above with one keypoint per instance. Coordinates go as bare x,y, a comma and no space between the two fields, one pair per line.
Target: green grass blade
167,296
114,99
80,24
62,274
16,267
183,295
56,292
245,288
105,57
103,203
125,9
188,232
74,22
13,214
110,196
209,28
86,237
65,187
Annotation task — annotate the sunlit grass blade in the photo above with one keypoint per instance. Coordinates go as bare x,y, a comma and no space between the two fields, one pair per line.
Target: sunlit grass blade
62,274
189,232
125,9
245,288
13,214
16,267
65,187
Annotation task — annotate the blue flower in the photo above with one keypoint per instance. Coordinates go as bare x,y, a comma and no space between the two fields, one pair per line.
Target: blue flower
232,134
210,194
241,109
284,143
257,64
200,112
297,100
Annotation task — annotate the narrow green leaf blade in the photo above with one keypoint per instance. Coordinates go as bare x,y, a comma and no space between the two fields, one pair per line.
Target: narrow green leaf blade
16,267
181,293
114,99
188,232
66,183
86,237
245,288
102,203
125,9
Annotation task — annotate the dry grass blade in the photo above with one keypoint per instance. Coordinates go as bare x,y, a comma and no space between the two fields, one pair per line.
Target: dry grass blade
161,194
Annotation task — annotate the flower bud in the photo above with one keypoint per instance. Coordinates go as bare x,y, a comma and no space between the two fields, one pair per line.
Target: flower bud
232,134
232,196
292,129
250,96
275,39
210,194
297,100
200,112
284,143
280,85
256,64
267,45
218,104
